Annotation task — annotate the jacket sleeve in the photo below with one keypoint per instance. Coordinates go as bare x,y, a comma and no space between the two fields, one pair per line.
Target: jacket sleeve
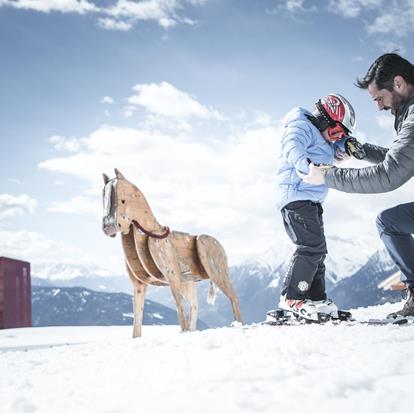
396,167
375,153
295,141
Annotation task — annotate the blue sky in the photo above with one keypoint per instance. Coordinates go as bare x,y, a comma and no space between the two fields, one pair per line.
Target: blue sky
186,97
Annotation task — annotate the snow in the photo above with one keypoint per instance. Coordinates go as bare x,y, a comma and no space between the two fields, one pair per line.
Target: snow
309,368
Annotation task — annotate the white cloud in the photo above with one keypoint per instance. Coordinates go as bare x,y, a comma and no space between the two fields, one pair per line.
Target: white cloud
388,46
390,16
222,187
354,215
65,144
113,24
293,7
164,12
107,100
12,206
121,15
77,205
386,121
47,6
128,111
380,16
14,180
145,10
157,122
263,118
398,19
166,100
37,248
346,8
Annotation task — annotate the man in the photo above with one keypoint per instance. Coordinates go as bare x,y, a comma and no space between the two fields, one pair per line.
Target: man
390,82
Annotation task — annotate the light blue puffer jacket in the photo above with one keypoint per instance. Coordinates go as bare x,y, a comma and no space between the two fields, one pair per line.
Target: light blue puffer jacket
301,141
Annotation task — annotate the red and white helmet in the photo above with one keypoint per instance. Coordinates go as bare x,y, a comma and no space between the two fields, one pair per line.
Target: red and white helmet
335,108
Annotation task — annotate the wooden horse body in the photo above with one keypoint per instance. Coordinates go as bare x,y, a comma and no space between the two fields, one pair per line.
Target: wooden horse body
156,256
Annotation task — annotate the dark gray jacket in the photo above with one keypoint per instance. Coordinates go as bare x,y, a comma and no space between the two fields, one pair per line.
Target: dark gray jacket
393,166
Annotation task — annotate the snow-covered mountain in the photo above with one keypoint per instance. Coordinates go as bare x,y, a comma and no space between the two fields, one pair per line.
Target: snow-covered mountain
67,271
70,275
76,306
361,289
345,256
353,271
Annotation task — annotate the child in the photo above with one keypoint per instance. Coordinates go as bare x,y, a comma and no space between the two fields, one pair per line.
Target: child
317,137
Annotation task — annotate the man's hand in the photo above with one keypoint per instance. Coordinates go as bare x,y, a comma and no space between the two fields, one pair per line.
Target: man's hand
355,148
316,175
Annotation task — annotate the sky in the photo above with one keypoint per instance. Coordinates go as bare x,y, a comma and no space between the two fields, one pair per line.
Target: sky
186,98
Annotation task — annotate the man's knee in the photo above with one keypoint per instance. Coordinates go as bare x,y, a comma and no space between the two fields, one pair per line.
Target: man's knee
387,221
380,222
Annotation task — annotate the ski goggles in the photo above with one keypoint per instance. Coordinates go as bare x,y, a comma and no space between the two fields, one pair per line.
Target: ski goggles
337,132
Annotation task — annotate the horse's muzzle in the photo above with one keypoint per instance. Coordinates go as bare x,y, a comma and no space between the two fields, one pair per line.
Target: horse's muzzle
109,226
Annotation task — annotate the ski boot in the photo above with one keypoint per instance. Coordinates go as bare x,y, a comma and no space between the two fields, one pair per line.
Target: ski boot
299,309
327,307
408,309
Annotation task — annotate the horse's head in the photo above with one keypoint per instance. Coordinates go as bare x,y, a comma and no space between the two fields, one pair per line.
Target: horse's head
116,194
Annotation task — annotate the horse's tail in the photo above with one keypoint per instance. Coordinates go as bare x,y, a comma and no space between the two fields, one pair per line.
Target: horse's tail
211,297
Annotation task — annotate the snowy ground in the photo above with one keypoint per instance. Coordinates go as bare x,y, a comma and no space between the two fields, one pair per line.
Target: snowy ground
264,369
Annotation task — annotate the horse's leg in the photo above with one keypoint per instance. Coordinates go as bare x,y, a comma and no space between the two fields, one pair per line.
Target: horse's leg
190,294
163,253
140,290
213,258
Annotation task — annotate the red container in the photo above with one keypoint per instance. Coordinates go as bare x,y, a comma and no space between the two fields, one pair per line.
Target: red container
15,294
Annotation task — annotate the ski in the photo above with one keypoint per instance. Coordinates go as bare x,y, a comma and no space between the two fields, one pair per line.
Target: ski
388,321
281,317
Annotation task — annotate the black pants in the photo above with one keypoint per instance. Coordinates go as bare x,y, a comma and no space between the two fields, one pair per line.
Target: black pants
396,227
305,278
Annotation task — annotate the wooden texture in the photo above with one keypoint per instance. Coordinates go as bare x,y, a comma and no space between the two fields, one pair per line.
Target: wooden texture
214,260
187,254
189,292
147,262
179,260
134,262
166,260
140,290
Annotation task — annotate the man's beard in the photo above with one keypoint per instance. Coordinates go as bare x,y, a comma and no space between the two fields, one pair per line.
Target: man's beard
396,100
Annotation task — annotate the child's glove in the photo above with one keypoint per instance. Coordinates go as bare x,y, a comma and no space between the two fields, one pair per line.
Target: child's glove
355,148
341,156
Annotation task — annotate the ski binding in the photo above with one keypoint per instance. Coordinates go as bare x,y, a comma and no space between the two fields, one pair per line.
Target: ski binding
284,317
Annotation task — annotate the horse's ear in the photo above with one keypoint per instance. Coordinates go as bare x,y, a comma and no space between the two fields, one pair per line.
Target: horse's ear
105,178
118,174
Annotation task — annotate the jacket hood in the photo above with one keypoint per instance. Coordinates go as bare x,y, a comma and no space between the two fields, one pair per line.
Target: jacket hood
296,114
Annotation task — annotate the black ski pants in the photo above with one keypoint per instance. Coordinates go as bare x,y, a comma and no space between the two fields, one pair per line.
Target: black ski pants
305,277
396,229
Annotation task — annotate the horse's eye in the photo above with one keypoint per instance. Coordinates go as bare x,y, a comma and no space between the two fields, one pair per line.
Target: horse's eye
123,201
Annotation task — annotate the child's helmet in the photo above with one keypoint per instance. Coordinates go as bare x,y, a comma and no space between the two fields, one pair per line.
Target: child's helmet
335,108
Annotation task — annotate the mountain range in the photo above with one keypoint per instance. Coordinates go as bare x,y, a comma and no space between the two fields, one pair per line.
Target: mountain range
76,306
351,280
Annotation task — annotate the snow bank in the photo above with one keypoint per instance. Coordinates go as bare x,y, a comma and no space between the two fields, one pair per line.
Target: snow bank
235,369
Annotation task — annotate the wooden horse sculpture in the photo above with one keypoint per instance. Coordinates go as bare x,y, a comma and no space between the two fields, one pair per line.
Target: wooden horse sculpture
154,255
